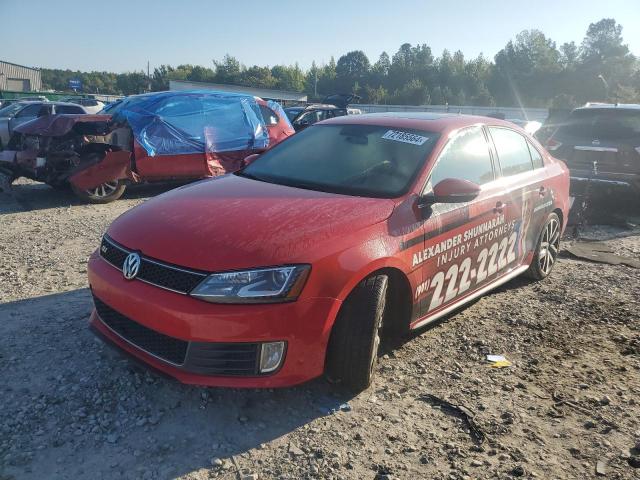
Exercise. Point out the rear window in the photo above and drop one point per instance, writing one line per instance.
(68, 109)
(269, 116)
(513, 151)
(602, 124)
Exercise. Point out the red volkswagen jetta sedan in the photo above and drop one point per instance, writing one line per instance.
(295, 266)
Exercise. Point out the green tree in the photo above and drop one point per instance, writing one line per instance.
(228, 70)
(606, 65)
(352, 68)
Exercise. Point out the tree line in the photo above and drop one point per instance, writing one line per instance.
(531, 70)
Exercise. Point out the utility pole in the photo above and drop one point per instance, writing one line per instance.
(315, 84)
(148, 77)
(606, 87)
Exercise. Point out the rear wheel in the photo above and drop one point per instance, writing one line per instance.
(103, 193)
(5, 181)
(546, 249)
(355, 338)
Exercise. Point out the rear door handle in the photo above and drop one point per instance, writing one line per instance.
(499, 207)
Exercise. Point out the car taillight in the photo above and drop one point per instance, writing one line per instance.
(553, 145)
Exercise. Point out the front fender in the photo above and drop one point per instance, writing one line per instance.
(114, 166)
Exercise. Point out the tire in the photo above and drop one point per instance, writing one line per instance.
(352, 352)
(547, 249)
(104, 193)
(5, 182)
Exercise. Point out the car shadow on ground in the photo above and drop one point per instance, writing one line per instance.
(39, 196)
(89, 406)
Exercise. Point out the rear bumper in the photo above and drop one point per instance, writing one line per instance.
(204, 328)
(606, 179)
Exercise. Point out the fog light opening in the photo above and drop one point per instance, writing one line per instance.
(271, 355)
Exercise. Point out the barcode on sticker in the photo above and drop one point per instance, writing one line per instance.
(404, 137)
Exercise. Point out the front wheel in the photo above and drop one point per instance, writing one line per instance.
(546, 249)
(104, 193)
(352, 352)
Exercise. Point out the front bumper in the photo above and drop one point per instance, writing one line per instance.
(200, 330)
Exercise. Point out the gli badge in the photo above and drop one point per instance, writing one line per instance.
(131, 266)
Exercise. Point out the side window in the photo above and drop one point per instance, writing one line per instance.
(513, 151)
(30, 111)
(466, 156)
(68, 109)
(535, 156)
(270, 117)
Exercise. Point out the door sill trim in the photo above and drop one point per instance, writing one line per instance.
(500, 281)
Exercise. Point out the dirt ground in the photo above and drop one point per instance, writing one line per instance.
(71, 407)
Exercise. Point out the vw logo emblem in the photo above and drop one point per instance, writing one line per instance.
(131, 266)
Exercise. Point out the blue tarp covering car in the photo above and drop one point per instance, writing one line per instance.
(171, 123)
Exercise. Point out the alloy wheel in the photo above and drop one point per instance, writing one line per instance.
(549, 245)
(103, 190)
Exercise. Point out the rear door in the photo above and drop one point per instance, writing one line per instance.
(466, 244)
(529, 196)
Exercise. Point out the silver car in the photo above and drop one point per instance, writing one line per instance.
(20, 112)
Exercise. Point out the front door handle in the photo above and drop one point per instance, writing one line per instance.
(499, 207)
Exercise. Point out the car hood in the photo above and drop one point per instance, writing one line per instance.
(232, 222)
(59, 125)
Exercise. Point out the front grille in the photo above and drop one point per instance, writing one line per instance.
(162, 346)
(223, 358)
(153, 271)
(214, 359)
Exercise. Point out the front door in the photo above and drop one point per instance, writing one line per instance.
(467, 245)
(29, 113)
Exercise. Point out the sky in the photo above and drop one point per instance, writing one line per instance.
(123, 35)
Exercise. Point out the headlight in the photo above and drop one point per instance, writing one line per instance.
(265, 285)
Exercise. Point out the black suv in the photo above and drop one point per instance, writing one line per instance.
(600, 143)
(331, 106)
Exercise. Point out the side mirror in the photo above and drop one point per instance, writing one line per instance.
(250, 159)
(454, 190)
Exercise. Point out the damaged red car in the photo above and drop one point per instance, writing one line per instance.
(298, 264)
(157, 137)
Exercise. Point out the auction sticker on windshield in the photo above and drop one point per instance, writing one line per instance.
(404, 137)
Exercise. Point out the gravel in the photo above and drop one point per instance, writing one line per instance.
(74, 408)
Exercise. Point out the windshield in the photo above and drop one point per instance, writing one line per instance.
(361, 160)
(293, 113)
(10, 110)
(603, 124)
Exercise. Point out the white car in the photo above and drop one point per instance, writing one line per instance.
(91, 105)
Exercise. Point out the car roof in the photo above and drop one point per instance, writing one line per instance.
(427, 121)
(49, 103)
(322, 106)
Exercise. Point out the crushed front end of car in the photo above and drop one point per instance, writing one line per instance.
(56, 149)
